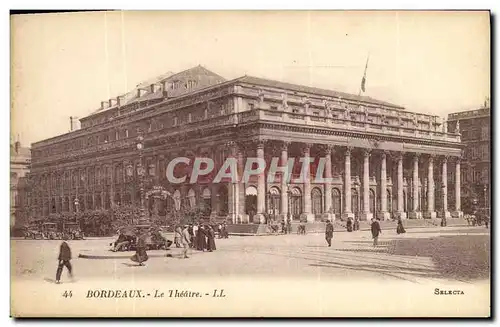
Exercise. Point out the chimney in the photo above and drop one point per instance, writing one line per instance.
(104, 104)
(112, 102)
(71, 123)
(140, 92)
(17, 145)
(118, 101)
(164, 89)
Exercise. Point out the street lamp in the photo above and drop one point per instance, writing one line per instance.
(77, 204)
(485, 189)
(140, 171)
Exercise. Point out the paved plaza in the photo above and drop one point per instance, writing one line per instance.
(424, 254)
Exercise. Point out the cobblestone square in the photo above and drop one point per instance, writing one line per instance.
(454, 254)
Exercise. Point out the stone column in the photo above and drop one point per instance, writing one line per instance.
(383, 214)
(307, 214)
(233, 200)
(261, 189)
(430, 213)
(366, 214)
(444, 186)
(400, 211)
(112, 185)
(328, 184)
(347, 185)
(416, 212)
(457, 213)
(241, 188)
(284, 182)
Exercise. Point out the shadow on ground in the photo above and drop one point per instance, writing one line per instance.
(454, 256)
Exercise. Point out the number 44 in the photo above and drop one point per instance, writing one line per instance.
(67, 294)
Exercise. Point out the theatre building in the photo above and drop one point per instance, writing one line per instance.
(380, 159)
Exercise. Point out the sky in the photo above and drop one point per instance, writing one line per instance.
(64, 65)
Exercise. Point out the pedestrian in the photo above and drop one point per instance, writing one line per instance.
(200, 238)
(210, 238)
(349, 224)
(289, 226)
(140, 255)
(64, 260)
(376, 231)
(329, 232)
(225, 233)
(443, 222)
(400, 229)
(177, 236)
(195, 236)
(356, 224)
(283, 226)
(185, 240)
(191, 235)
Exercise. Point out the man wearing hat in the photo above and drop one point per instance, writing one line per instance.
(64, 260)
(329, 232)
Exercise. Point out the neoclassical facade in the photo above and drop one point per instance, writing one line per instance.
(379, 159)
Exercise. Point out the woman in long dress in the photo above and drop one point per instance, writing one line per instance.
(400, 229)
(140, 255)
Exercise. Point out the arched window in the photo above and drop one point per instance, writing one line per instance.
(192, 198)
(66, 204)
(317, 201)
(354, 201)
(372, 201)
(98, 201)
(389, 201)
(295, 203)
(250, 201)
(222, 200)
(274, 201)
(53, 206)
(207, 201)
(336, 201)
(177, 200)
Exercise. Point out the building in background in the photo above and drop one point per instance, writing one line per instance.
(381, 160)
(475, 129)
(20, 162)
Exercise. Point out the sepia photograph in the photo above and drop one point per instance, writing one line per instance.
(250, 164)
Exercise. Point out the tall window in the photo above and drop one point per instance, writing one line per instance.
(336, 202)
(274, 201)
(317, 201)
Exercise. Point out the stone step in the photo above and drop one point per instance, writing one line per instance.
(338, 225)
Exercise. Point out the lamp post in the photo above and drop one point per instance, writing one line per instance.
(485, 189)
(140, 171)
(77, 204)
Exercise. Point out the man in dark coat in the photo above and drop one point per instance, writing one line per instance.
(191, 235)
(349, 224)
(225, 233)
(64, 260)
(200, 238)
(329, 233)
(140, 255)
(376, 230)
(356, 224)
(210, 238)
